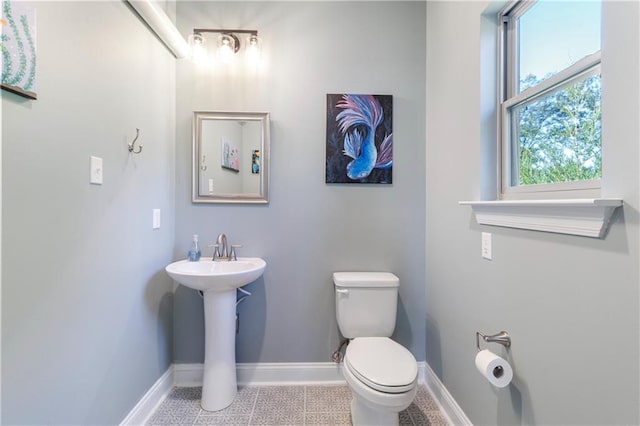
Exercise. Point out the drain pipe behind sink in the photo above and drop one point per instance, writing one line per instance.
(240, 300)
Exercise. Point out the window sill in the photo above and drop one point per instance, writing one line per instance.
(583, 217)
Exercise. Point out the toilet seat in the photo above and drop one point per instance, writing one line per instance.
(382, 364)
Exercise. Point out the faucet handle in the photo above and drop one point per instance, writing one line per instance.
(232, 255)
(216, 252)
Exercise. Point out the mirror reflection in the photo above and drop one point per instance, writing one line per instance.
(230, 157)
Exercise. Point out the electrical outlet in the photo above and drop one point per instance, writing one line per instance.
(486, 246)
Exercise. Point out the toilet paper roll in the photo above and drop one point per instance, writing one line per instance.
(495, 369)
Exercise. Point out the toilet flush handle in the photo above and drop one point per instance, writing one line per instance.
(342, 291)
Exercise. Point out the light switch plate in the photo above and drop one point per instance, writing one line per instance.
(486, 246)
(96, 171)
(156, 218)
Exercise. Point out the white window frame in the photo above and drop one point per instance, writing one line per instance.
(572, 208)
(508, 98)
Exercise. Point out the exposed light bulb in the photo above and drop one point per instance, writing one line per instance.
(252, 54)
(198, 49)
(227, 49)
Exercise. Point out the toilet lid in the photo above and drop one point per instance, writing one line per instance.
(382, 364)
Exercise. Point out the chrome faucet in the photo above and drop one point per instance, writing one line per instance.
(220, 250)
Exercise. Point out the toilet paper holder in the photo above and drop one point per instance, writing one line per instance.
(502, 338)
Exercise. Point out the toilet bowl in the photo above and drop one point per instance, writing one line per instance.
(381, 373)
(382, 376)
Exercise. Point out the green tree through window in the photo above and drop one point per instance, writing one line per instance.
(550, 98)
(559, 135)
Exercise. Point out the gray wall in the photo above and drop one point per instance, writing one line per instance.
(87, 308)
(570, 303)
(86, 305)
(309, 229)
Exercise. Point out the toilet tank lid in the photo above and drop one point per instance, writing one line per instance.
(365, 279)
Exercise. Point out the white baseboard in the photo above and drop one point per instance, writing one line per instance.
(447, 404)
(275, 373)
(150, 400)
(267, 373)
(187, 375)
(290, 373)
(421, 372)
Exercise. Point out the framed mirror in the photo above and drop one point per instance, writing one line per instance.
(230, 157)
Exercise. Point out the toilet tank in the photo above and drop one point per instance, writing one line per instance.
(366, 303)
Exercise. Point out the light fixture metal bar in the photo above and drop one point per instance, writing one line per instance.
(227, 33)
(208, 30)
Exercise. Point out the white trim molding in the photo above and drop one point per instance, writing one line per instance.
(151, 400)
(445, 401)
(277, 373)
(188, 375)
(156, 18)
(583, 217)
(267, 373)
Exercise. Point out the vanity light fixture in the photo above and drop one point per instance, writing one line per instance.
(228, 44)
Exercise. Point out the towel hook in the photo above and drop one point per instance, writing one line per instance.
(502, 338)
(132, 144)
(203, 165)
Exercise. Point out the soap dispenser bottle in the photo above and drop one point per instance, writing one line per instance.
(194, 251)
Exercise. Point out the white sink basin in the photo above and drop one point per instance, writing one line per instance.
(219, 281)
(216, 276)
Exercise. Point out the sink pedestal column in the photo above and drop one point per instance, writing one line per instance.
(219, 385)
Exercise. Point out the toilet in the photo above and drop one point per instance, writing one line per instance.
(381, 373)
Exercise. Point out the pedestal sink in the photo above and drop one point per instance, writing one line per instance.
(219, 282)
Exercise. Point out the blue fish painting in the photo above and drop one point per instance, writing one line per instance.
(359, 139)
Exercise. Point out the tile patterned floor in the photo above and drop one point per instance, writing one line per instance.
(284, 405)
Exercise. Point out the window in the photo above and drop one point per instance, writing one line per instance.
(550, 99)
